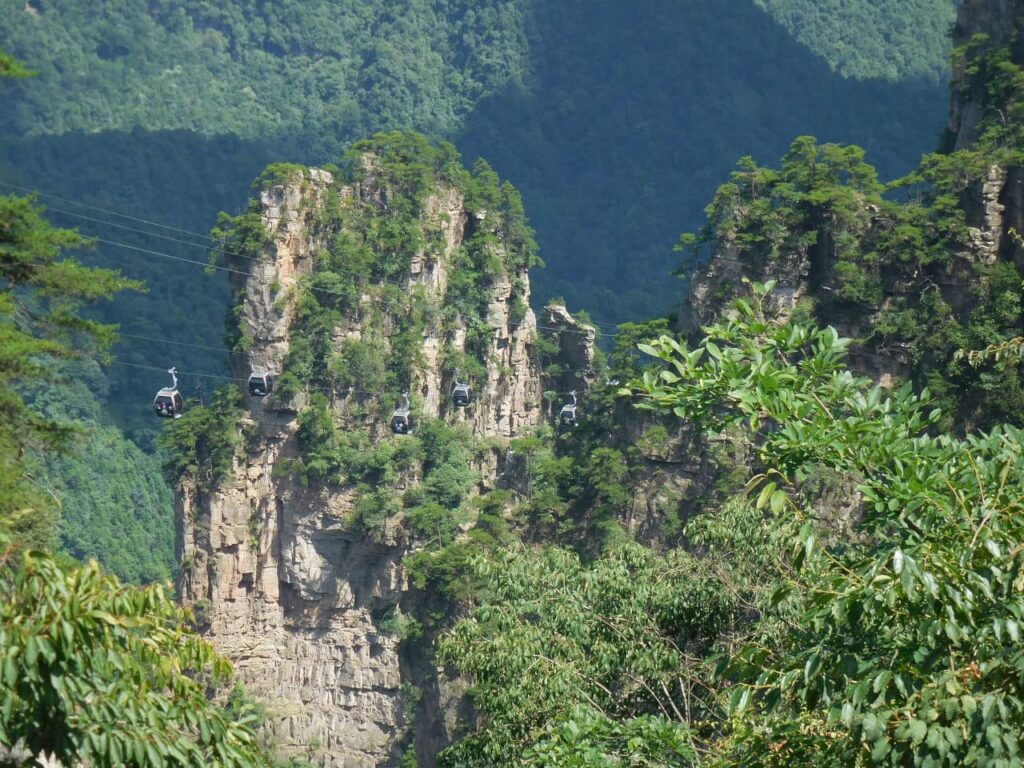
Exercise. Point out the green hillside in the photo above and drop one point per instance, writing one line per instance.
(114, 503)
(886, 40)
(328, 69)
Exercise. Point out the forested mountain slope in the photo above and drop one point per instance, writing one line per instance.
(891, 41)
(324, 69)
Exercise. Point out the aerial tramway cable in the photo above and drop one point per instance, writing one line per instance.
(208, 265)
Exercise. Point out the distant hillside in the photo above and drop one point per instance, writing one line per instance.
(864, 39)
(327, 69)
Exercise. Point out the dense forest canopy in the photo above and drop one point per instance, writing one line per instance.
(253, 69)
(888, 41)
(256, 69)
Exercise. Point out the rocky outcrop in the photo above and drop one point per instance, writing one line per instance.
(1001, 22)
(577, 344)
(282, 582)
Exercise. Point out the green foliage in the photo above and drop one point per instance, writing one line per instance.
(887, 40)
(895, 258)
(243, 68)
(564, 656)
(437, 451)
(114, 504)
(590, 740)
(105, 674)
(359, 364)
(768, 214)
(993, 78)
(11, 67)
(41, 321)
(897, 643)
(242, 84)
(202, 443)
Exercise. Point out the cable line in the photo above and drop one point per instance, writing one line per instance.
(62, 212)
(598, 326)
(204, 264)
(312, 288)
(207, 248)
(102, 210)
(207, 265)
(170, 341)
(345, 391)
(180, 373)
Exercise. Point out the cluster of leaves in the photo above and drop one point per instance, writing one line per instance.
(901, 642)
(100, 673)
(566, 657)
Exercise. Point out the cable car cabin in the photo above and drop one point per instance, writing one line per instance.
(401, 419)
(567, 416)
(462, 395)
(260, 384)
(168, 404)
(402, 422)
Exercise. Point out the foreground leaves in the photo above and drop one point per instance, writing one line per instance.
(901, 645)
(97, 672)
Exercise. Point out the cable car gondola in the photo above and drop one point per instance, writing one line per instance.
(261, 383)
(462, 395)
(401, 418)
(168, 403)
(567, 417)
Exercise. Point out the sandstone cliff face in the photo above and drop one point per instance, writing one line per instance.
(287, 588)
